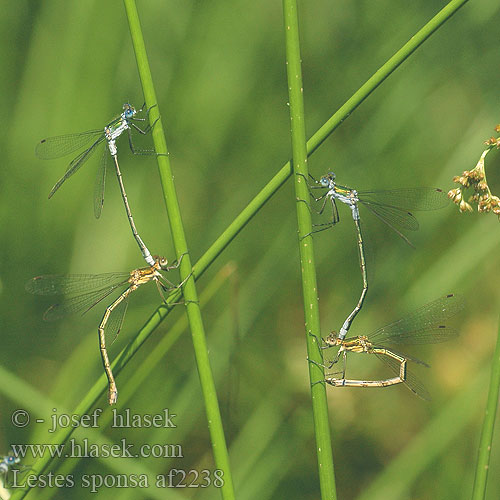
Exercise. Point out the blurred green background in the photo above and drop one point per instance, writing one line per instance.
(219, 72)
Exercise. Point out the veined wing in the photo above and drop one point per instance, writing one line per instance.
(423, 326)
(396, 218)
(411, 358)
(62, 145)
(115, 321)
(79, 303)
(394, 206)
(74, 284)
(100, 185)
(407, 199)
(76, 163)
(411, 381)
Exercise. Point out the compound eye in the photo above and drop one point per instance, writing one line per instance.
(11, 460)
(163, 262)
(332, 338)
(324, 181)
(331, 175)
(129, 110)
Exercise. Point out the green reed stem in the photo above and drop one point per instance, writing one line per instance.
(100, 386)
(306, 250)
(485, 442)
(221, 456)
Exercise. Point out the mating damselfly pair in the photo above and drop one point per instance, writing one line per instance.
(394, 208)
(84, 291)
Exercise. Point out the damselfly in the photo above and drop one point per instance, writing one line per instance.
(423, 326)
(393, 207)
(7, 462)
(84, 291)
(56, 147)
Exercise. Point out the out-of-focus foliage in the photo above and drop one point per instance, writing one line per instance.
(218, 67)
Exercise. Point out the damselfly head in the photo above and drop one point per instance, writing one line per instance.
(11, 460)
(129, 110)
(161, 261)
(332, 339)
(327, 180)
(8, 461)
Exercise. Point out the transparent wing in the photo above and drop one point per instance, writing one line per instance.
(76, 163)
(79, 303)
(396, 218)
(62, 145)
(115, 321)
(332, 208)
(100, 185)
(74, 284)
(394, 206)
(415, 360)
(412, 382)
(422, 198)
(423, 326)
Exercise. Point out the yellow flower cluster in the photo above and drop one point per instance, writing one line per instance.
(476, 179)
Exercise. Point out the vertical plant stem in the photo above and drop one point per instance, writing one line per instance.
(216, 430)
(306, 249)
(483, 459)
